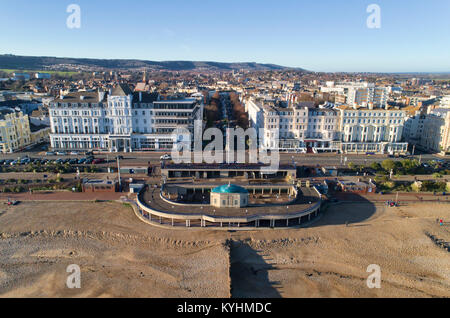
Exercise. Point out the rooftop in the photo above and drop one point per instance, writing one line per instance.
(121, 90)
(229, 188)
(80, 97)
(6, 111)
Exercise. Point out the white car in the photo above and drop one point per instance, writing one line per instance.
(166, 157)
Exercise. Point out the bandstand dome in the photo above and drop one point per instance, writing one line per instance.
(229, 188)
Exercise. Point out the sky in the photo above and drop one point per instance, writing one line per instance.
(318, 35)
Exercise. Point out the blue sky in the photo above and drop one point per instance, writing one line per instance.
(319, 35)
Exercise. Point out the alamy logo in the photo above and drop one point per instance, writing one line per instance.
(74, 279)
(374, 279)
(74, 19)
(374, 19)
(236, 142)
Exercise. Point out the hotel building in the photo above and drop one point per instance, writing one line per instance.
(298, 127)
(121, 121)
(366, 130)
(433, 133)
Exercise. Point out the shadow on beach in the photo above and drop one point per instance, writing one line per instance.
(351, 212)
(249, 272)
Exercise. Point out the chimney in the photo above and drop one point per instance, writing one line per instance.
(101, 95)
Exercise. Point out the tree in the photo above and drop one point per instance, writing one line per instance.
(409, 166)
(388, 165)
(375, 166)
(212, 113)
(239, 112)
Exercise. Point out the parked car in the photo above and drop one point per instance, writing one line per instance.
(74, 153)
(8, 161)
(50, 153)
(82, 161)
(98, 161)
(24, 161)
(2, 161)
(88, 161)
(14, 162)
(166, 157)
(73, 161)
(61, 153)
(89, 153)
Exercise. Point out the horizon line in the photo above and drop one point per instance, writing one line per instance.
(235, 62)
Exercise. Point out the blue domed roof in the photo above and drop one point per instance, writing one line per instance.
(229, 188)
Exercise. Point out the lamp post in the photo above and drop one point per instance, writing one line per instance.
(118, 171)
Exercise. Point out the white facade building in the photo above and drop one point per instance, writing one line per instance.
(436, 131)
(366, 130)
(445, 101)
(120, 121)
(295, 128)
(413, 128)
(371, 96)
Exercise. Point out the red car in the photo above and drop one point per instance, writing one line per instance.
(98, 161)
(12, 202)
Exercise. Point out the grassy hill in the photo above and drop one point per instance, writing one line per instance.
(14, 62)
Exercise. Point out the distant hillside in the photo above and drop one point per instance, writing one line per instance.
(9, 61)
